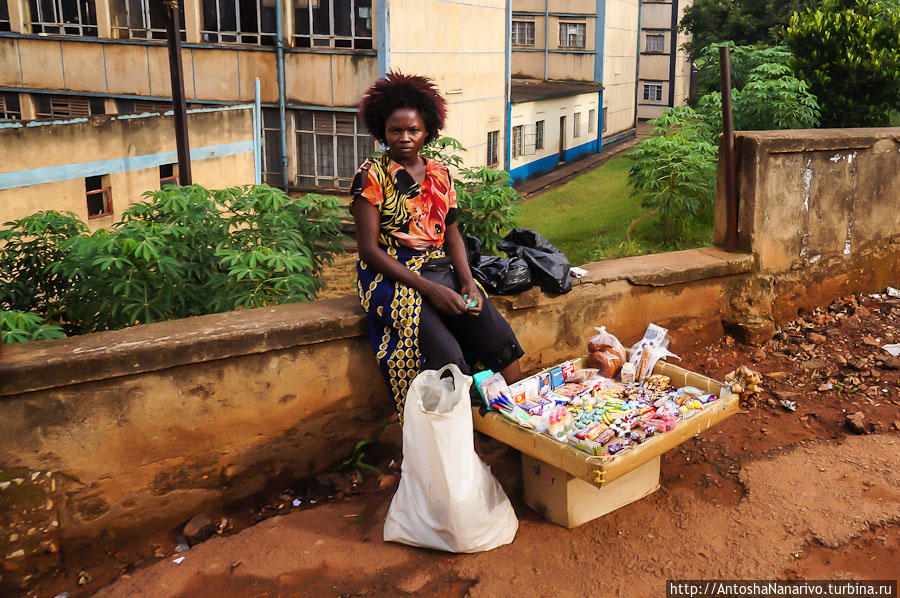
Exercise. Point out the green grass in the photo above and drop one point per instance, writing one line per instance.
(589, 218)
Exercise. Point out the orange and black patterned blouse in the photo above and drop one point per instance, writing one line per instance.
(413, 215)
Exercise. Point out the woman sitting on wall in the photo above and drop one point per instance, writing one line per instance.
(413, 278)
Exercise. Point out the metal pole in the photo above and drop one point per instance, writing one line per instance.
(731, 201)
(173, 37)
(279, 63)
(257, 127)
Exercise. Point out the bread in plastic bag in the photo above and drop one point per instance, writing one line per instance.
(605, 353)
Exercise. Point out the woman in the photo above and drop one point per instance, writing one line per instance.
(413, 278)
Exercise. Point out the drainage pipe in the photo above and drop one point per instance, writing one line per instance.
(282, 119)
(257, 129)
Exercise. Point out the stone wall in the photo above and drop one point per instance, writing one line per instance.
(115, 431)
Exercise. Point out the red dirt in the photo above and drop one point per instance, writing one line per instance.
(767, 494)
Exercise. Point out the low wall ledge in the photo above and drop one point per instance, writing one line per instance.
(805, 140)
(51, 364)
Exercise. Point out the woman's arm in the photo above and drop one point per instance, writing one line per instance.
(366, 219)
(456, 249)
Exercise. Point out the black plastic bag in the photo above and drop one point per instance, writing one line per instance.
(473, 250)
(503, 275)
(549, 268)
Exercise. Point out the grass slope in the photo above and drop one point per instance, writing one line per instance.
(589, 217)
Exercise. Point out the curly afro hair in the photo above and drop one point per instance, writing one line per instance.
(397, 90)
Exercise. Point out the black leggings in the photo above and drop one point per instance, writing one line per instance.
(466, 340)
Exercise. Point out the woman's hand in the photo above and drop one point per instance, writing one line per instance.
(471, 290)
(444, 299)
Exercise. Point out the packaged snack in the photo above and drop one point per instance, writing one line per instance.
(556, 377)
(627, 372)
(582, 375)
(650, 349)
(544, 383)
(517, 392)
(568, 368)
(531, 389)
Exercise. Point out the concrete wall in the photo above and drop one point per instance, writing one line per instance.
(526, 114)
(456, 42)
(129, 150)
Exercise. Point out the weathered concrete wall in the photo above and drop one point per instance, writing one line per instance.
(119, 430)
(819, 211)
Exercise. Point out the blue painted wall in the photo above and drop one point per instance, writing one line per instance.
(549, 163)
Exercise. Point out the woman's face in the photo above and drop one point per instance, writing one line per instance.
(405, 133)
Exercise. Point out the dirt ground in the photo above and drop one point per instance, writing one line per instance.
(768, 494)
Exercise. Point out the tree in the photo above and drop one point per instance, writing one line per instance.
(848, 51)
(744, 22)
(675, 169)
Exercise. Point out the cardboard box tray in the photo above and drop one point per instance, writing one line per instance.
(604, 469)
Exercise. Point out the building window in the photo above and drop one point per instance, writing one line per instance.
(140, 19)
(9, 107)
(656, 42)
(142, 106)
(4, 17)
(576, 125)
(523, 33)
(592, 114)
(539, 135)
(61, 106)
(99, 203)
(330, 147)
(492, 143)
(271, 150)
(333, 24)
(603, 118)
(168, 175)
(518, 141)
(653, 92)
(239, 21)
(571, 35)
(62, 17)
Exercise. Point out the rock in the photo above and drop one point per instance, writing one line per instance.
(387, 481)
(840, 359)
(833, 333)
(816, 338)
(759, 355)
(856, 423)
(712, 362)
(868, 340)
(198, 529)
(891, 363)
(826, 386)
(785, 395)
(897, 425)
(856, 364)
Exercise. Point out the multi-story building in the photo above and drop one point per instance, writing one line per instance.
(665, 70)
(574, 70)
(69, 58)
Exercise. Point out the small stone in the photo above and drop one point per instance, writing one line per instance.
(712, 362)
(759, 355)
(826, 386)
(387, 481)
(868, 340)
(840, 359)
(856, 423)
(198, 529)
(897, 425)
(856, 364)
(816, 338)
(891, 363)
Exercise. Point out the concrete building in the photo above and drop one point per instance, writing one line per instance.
(574, 71)
(77, 59)
(665, 70)
(96, 166)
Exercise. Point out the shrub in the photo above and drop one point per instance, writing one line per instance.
(23, 326)
(848, 51)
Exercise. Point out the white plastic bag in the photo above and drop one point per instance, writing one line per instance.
(447, 498)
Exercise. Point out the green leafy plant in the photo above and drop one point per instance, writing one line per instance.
(23, 326)
(183, 251)
(848, 51)
(674, 170)
(488, 203)
(355, 463)
(27, 247)
(746, 22)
